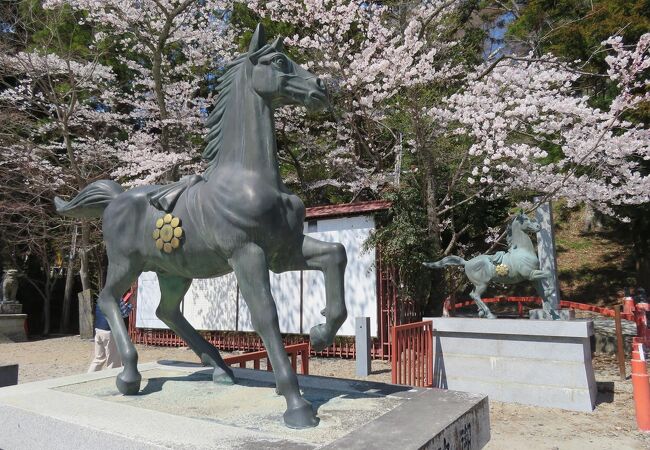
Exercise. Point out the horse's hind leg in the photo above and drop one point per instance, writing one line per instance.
(252, 271)
(330, 258)
(172, 290)
(484, 311)
(118, 280)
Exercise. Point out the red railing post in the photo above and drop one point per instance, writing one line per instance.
(393, 356)
(412, 354)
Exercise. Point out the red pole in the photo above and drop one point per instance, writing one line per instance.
(641, 387)
(620, 354)
(393, 356)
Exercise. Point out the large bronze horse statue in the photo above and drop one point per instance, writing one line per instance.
(237, 217)
(518, 264)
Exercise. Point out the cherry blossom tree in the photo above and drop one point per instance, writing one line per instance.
(531, 132)
(369, 54)
(61, 108)
(166, 50)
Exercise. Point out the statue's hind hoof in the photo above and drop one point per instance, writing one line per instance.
(301, 417)
(222, 377)
(319, 337)
(128, 385)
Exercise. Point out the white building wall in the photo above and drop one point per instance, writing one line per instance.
(213, 304)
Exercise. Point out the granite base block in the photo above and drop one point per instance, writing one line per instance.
(180, 407)
(12, 326)
(533, 362)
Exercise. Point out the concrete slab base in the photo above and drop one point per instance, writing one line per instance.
(180, 407)
(533, 362)
(540, 314)
(12, 326)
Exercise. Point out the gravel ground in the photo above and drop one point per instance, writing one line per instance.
(611, 426)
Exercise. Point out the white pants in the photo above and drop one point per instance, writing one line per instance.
(105, 352)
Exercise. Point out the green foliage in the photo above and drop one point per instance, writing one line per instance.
(575, 29)
(404, 242)
(56, 31)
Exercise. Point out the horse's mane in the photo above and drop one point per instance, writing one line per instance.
(509, 229)
(215, 122)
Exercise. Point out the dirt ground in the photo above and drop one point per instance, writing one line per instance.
(611, 426)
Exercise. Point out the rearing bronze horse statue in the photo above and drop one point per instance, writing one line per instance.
(238, 217)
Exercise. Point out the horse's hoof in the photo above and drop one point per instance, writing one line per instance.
(220, 376)
(128, 384)
(491, 316)
(319, 337)
(301, 417)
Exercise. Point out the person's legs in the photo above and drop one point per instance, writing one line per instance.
(100, 352)
(112, 354)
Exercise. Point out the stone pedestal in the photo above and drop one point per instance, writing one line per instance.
(180, 407)
(11, 308)
(12, 327)
(534, 362)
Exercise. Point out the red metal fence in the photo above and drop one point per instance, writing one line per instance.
(521, 301)
(412, 354)
(293, 351)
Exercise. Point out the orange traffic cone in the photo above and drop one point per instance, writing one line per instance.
(641, 386)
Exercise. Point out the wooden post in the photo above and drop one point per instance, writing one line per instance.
(86, 314)
(620, 352)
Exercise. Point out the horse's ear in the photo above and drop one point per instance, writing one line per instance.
(278, 44)
(258, 41)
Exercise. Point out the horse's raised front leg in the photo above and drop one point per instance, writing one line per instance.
(484, 311)
(252, 272)
(172, 291)
(331, 259)
(119, 278)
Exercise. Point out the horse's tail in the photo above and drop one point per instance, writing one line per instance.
(448, 261)
(91, 201)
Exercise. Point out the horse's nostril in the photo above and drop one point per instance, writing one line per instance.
(320, 83)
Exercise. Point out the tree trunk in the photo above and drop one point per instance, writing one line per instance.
(591, 222)
(83, 256)
(433, 220)
(69, 284)
(641, 238)
(67, 297)
(47, 301)
(47, 308)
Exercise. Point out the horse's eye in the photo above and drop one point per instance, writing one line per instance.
(280, 62)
